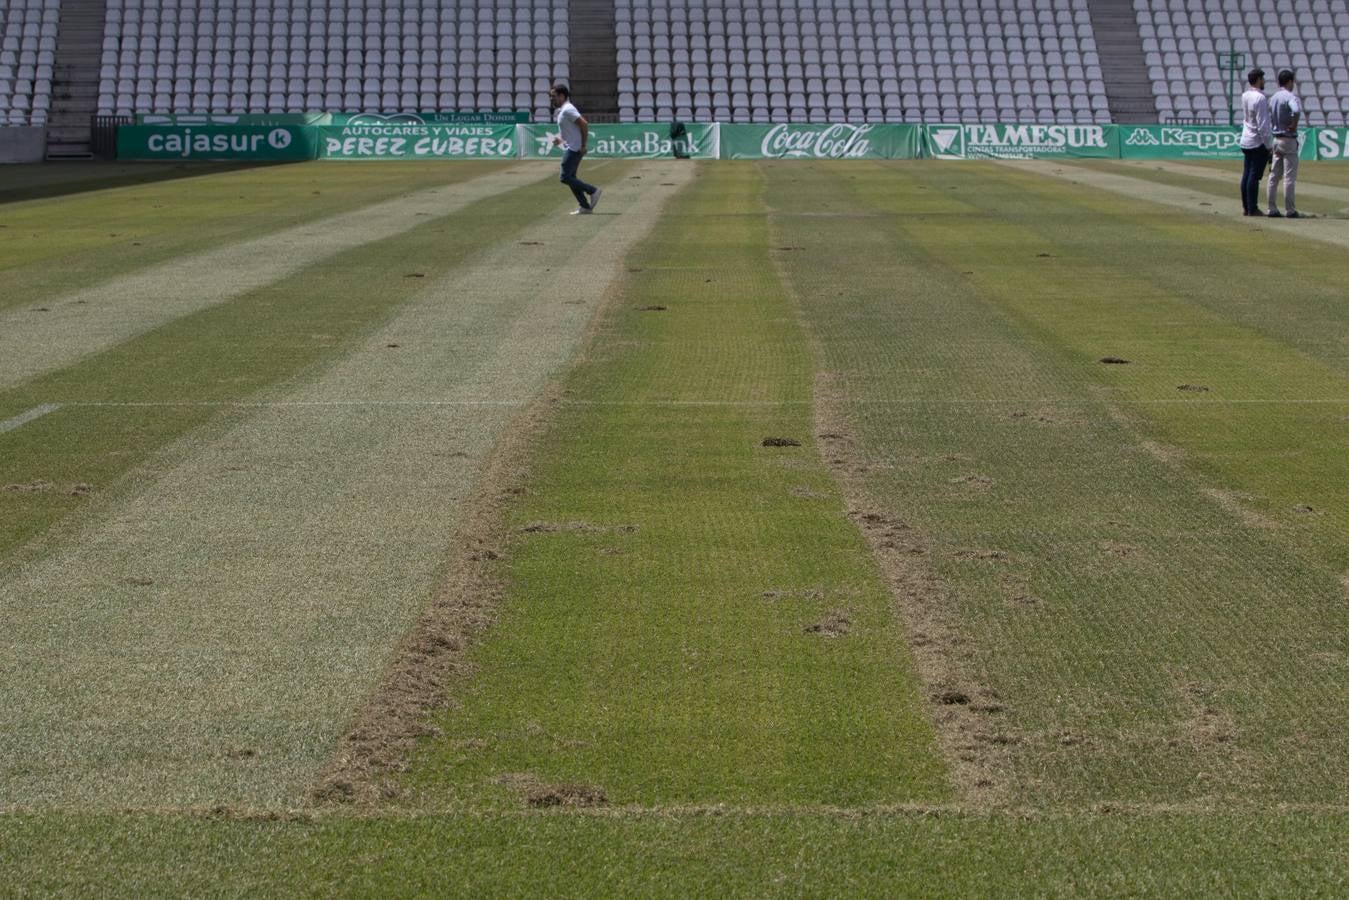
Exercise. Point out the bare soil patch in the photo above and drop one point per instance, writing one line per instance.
(1207, 725)
(582, 527)
(548, 795)
(1235, 503)
(981, 555)
(798, 594)
(30, 487)
(543, 795)
(836, 623)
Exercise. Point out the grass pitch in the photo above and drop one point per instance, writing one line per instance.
(895, 528)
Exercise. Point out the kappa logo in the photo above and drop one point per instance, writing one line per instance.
(1142, 137)
(279, 138)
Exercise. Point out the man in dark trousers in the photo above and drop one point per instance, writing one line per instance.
(1257, 136)
(573, 135)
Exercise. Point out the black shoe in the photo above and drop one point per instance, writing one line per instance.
(1293, 215)
(1275, 214)
(1256, 212)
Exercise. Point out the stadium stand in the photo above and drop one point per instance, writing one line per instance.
(726, 60)
(27, 57)
(251, 56)
(1183, 40)
(858, 60)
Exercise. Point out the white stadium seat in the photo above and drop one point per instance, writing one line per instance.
(389, 54)
(739, 60)
(1182, 40)
(824, 51)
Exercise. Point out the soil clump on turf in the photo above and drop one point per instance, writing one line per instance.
(31, 487)
(836, 623)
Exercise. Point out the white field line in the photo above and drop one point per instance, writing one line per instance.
(1330, 231)
(98, 317)
(207, 633)
(24, 418)
(755, 404)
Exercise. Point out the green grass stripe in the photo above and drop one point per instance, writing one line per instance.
(1287, 456)
(227, 352)
(732, 854)
(241, 597)
(1148, 643)
(1201, 201)
(36, 181)
(1311, 180)
(1288, 290)
(52, 247)
(657, 639)
(1330, 173)
(1312, 197)
(41, 339)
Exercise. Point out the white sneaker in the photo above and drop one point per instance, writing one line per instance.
(578, 211)
(595, 198)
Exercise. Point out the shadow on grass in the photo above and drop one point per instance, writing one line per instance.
(38, 181)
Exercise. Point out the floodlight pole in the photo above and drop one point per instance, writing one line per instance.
(1234, 65)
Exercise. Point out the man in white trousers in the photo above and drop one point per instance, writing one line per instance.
(1285, 111)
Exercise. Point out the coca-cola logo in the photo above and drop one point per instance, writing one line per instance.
(822, 142)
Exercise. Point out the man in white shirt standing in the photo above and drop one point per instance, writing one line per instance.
(573, 134)
(1257, 136)
(1285, 109)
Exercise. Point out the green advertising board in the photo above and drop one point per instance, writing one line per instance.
(820, 141)
(233, 119)
(1329, 143)
(1192, 142)
(999, 141)
(402, 140)
(699, 141)
(217, 142)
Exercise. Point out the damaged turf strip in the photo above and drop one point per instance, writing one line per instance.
(1144, 641)
(704, 624)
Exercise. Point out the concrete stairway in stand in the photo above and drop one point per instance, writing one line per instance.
(594, 59)
(1128, 85)
(79, 46)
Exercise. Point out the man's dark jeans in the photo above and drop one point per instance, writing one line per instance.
(1257, 161)
(571, 161)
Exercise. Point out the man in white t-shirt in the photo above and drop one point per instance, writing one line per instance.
(1285, 111)
(573, 134)
(1257, 136)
